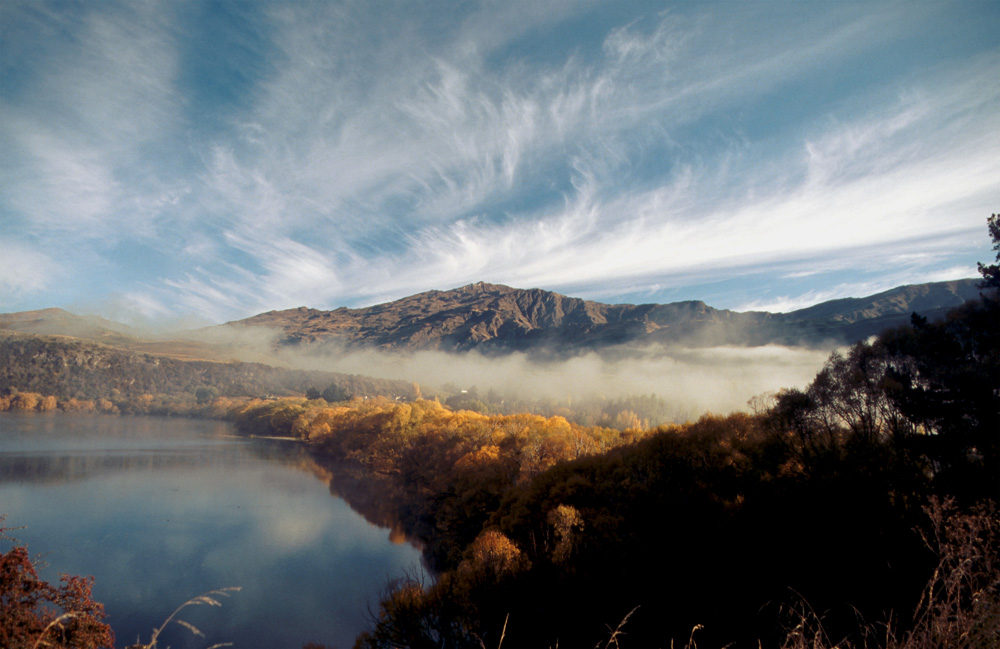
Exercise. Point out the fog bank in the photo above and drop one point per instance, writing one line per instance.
(691, 380)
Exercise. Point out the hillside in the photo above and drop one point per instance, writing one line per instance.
(75, 368)
(857, 318)
(61, 322)
(499, 319)
(181, 345)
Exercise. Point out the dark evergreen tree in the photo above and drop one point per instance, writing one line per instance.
(991, 272)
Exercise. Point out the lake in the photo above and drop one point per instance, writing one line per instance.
(160, 510)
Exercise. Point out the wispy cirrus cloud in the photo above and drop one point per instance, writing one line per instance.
(335, 153)
(820, 205)
(95, 89)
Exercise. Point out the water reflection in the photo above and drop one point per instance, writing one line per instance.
(56, 448)
(159, 510)
(377, 498)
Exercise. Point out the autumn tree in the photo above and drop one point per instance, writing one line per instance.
(25, 401)
(34, 613)
(567, 524)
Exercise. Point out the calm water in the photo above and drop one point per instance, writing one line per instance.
(160, 510)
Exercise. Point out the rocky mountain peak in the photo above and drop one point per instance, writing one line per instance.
(495, 318)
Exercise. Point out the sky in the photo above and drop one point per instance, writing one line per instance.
(193, 161)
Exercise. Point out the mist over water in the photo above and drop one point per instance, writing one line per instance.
(691, 380)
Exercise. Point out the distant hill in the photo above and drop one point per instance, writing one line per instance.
(53, 351)
(68, 367)
(59, 322)
(63, 323)
(499, 319)
(858, 318)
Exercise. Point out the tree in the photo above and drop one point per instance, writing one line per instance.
(947, 378)
(567, 525)
(991, 273)
(335, 392)
(34, 613)
(206, 394)
(853, 391)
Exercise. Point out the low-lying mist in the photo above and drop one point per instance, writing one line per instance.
(692, 381)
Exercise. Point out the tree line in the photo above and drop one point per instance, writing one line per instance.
(620, 412)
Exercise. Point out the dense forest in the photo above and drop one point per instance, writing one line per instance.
(857, 512)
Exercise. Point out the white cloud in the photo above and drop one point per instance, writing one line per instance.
(215, 296)
(244, 195)
(72, 190)
(293, 272)
(116, 84)
(24, 271)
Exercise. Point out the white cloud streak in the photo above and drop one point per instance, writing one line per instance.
(381, 150)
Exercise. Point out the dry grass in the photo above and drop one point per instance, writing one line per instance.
(56, 624)
(959, 608)
(960, 605)
(209, 599)
(617, 632)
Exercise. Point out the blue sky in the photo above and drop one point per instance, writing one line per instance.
(205, 161)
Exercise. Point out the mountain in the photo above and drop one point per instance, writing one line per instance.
(497, 319)
(493, 318)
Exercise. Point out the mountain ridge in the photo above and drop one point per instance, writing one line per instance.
(495, 318)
